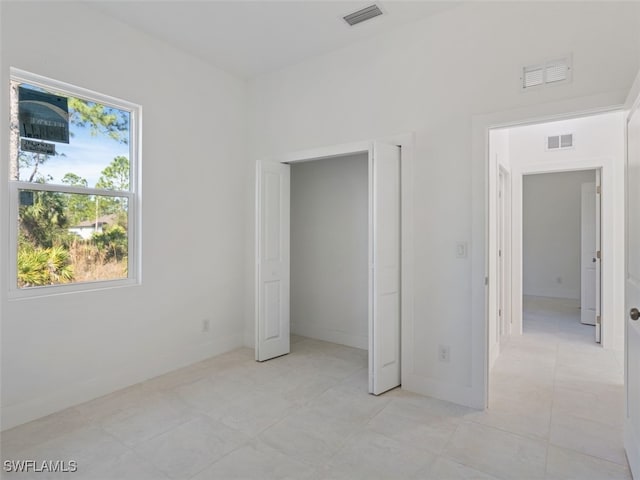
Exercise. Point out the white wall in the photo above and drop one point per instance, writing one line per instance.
(433, 77)
(53, 354)
(329, 249)
(599, 143)
(551, 233)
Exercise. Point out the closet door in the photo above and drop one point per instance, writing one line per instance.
(272, 260)
(384, 312)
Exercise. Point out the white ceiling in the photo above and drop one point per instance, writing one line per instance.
(252, 37)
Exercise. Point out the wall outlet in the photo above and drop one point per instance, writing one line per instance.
(205, 325)
(444, 353)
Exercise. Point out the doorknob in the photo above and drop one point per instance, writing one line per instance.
(593, 260)
(634, 313)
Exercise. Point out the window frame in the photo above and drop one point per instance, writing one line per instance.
(132, 195)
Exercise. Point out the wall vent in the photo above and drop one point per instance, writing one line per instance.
(558, 142)
(547, 73)
(363, 15)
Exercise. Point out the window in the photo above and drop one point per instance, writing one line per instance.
(73, 165)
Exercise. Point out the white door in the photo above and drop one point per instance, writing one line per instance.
(598, 256)
(588, 257)
(632, 351)
(384, 314)
(272, 258)
(501, 273)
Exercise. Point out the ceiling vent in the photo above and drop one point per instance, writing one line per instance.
(547, 73)
(363, 15)
(558, 142)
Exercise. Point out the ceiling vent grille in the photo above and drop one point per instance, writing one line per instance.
(363, 15)
(548, 73)
(558, 142)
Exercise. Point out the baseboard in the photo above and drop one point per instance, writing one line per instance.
(333, 336)
(461, 395)
(569, 295)
(121, 376)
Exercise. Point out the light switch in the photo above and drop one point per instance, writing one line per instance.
(461, 250)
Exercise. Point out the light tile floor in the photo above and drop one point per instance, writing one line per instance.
(555, 413)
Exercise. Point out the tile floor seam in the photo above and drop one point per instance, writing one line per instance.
(473, 467)
(158, 434)
(625, 464)
(213, 462)
(506, 430)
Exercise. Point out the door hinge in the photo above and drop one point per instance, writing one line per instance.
(500, 312)
(499, 253)
(598, 189)
(598, 320)
(598, 254)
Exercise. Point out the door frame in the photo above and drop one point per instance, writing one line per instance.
(406, 142)
(517, 253)
(482, 186)
(505, 328)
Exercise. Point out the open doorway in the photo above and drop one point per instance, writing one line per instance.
(329, 250)
(561, 253)
(591, 143)
(320, 294)
(548, 376)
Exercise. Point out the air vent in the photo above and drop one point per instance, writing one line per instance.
(558, 142)
(551, 72)
(363, 15)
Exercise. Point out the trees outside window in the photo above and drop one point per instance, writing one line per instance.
(73, 204)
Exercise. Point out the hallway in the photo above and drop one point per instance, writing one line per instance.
(556, 383)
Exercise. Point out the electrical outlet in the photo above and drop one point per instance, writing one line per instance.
(444, 353)
(205, 325)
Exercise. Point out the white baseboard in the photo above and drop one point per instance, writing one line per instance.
(459, 394)
(333, 336)
(119, 377)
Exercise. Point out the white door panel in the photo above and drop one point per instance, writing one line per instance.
(272, 228)
(632, 250)
(384, 331)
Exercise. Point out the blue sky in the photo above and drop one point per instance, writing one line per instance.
(85, 155)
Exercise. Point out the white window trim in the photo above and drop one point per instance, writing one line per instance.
(133, 196)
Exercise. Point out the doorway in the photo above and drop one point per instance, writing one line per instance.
(561, 248)
(549, 365)
(384, 240)
(591, 143)
(329, 250)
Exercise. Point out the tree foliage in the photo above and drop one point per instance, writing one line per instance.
(44, 223)
(115, 176)
(45, 244)
(79, 207)
(112, 241)
(99, 119)
(43, 266)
